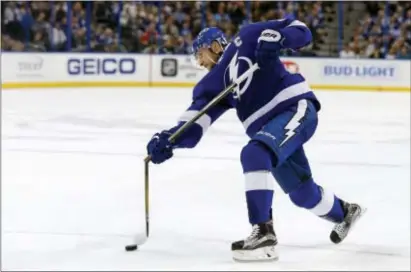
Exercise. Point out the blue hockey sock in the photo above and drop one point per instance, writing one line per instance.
(259, 182)
(318, 200)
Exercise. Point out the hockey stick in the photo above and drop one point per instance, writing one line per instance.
(174, 136)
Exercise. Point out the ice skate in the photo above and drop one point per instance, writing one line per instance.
(353, 212)
(259, 246)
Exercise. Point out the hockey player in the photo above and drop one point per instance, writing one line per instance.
(279, 113)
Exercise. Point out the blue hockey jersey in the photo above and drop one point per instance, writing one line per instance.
(262, 95)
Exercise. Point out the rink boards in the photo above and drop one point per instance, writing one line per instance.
(73, 70)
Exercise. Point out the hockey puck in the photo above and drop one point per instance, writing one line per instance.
(131, 247)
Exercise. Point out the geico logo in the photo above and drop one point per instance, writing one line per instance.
(101, 66)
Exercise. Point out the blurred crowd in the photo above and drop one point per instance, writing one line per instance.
(384, 32)
(165, 27)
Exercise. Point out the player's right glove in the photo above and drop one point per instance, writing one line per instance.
(159, 147)
(268, 48)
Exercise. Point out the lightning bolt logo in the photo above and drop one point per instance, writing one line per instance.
(295, 121)
(233, 73)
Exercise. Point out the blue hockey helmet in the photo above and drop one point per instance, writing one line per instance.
(206, 37)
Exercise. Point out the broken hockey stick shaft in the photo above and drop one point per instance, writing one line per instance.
(183, 128)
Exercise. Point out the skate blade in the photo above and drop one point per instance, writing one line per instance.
(363, 211)
(263, 254)
(361, 214)
(339, 241)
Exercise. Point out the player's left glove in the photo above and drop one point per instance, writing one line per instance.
(268, 48)
(159, 148)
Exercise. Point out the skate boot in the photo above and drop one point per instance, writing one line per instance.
(259, 246)
(352, 213)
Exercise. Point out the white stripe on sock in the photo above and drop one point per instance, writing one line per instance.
(325, 205)
(259, 180)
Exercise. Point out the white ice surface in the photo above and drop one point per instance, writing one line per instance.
(72, 184)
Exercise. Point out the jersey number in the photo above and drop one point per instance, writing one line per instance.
(238, 41)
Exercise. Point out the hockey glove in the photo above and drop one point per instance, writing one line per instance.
(159, 148)
(268, 48)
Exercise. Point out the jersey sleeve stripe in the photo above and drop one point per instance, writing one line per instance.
(204, 121)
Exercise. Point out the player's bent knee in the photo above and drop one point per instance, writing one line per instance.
(255, 156)
(307, 195)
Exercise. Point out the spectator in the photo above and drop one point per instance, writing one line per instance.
(169, 46)
(386, 30)
(289, 11)
(392, 53)
(370, 47)
(347, 52)
(237, 13)
(41, 25)
(150, 36)
(404, 53)
(168, 27)
(221, 15)
(179, 14)
(57, 36)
